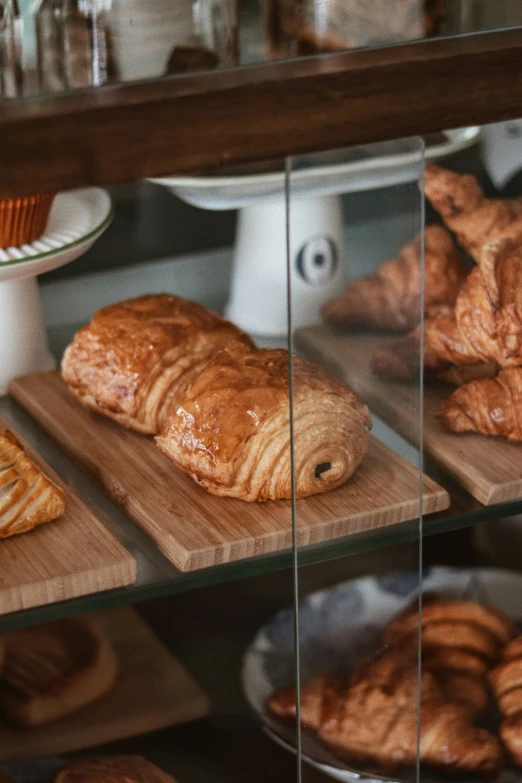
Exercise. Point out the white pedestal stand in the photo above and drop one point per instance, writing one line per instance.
(77, 219)
(258, 299)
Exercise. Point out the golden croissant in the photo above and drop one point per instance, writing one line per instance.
(372, 717)
(230, 431)
(492, 406)
(483, 331)
(506, 683)
(474, 219)
(391, 298)
(27, 497)
(135, 358)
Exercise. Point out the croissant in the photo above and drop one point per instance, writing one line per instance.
(492, 406)
(135, 358)
(494, 622)
(391, 299)
(474, 219)
(371, 719)
(506, 683)
(27, 497)
(230, 432)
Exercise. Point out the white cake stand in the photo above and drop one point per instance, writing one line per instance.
(258, 295)
(77, 219)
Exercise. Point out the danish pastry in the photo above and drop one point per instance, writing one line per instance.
(27, 497)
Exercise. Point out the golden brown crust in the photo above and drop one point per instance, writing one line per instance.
(491, 406)
(54, 669)
(474, 219)
(28, 498)
(391, 298)
(511, 735)
(373, 718)
(134, 358)
(111, 769)
(231, 430)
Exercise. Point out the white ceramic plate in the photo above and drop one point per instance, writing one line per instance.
(340, 627)
(77, 219)
(374, 166)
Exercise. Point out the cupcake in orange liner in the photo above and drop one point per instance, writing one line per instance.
(22, 220)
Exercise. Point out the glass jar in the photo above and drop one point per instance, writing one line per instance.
(11, 74)
(83, 43)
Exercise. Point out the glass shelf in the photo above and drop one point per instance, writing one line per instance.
(157, 577)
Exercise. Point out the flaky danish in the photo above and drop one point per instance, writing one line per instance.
(230, 431)
(474, 219)
(54, 669)
(391, 298)
(27, 497)
(492, 406)
(135, 358)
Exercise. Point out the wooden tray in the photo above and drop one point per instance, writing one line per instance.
(489, 468)
(72, 556)
(195, 529)
(153, 691)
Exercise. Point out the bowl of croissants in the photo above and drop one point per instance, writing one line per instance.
(362, 690)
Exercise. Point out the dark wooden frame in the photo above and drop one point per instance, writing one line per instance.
(195, 123)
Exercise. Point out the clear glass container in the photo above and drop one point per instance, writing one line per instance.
(11, 75)
(84, 43)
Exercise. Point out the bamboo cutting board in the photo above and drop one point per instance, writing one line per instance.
(489, 468)
(74, 555)
(153, 690)
(195, 529)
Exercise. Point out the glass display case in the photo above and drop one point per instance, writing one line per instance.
(260, 402)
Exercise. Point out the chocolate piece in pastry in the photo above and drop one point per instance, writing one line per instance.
(135, 358)
(492, 406)
(53, 670)
(371, 720)
(111, 769)
(230, 432)
(391, 298)
(27, 497)
(474, 219)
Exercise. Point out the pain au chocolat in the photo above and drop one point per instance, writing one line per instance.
(54, 669)
(230, 431)
(27, 497)
(133, 360)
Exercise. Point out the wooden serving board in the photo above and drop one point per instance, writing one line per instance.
(488, 468)
(195, 529)
(153, 690)
(74, 555)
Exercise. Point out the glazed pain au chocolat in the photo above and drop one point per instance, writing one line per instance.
(219, 407)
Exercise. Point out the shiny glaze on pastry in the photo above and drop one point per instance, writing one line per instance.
(230, 432)
(391, 298)
(27, 497)
(135, 358)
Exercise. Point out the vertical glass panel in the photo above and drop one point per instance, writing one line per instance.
(357, 280)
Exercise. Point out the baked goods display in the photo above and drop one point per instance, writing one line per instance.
(237, 413)
(111, 769)
(220, 407)
(55, 669)
(23, 219)
(27, 498)
(370, 717)
(390, 300)
(136, 357)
